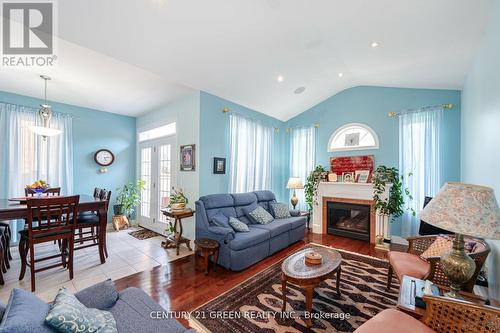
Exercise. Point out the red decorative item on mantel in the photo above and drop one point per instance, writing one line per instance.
(343, 164)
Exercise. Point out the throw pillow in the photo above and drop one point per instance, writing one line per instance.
(237, 225)
(280, 210)
(15, 318)
(100, 296)
(220, 220)
(2, 310)
(260, 215)
(440, 246)
(67, 315)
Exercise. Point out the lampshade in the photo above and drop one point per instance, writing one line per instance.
(295, 183)
(465, 209)
(45, 131)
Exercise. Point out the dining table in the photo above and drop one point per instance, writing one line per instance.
(12, 209)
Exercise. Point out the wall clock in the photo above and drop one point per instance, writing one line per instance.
(104, 157)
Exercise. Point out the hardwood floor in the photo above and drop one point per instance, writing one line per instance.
(182, 285)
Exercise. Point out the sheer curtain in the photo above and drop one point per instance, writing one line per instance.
(26, 157)
(420, 154)
(250, 155)
(302, 158)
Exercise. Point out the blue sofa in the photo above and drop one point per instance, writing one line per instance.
(239, 250)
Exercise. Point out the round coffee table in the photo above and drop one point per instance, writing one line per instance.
(294, 270)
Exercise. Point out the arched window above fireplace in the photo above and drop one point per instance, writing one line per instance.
(353, 136)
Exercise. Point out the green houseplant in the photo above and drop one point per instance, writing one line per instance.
(391, 207)
(311, 187)
(129, 197)
(177, 199)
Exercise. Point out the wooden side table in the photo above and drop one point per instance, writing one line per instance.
(406, 300)
(175, 240)
(208, 247)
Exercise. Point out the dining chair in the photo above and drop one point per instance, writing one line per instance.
(58, 216)
(51, 191)
(91, 221)
(86, 215)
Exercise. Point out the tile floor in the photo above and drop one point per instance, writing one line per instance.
(127, 255)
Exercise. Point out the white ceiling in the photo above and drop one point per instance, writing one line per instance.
(131, 56)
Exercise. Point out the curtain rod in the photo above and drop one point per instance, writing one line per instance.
(425, 108)
(35, 110)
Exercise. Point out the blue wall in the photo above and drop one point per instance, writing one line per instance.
(93, 130)
(214, 142)
(370, 105)
(481, 129)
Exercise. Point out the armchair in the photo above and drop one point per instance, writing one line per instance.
(442, 315)
(410, 263)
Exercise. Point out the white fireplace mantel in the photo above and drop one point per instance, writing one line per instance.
(354, 191)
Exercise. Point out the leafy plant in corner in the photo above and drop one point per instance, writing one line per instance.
(394, 204)
(129, 197)
(311, 186)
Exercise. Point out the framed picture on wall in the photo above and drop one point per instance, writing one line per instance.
(362, 176)
(219, 165)
(188, 154)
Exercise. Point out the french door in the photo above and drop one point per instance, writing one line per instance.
(158, 168)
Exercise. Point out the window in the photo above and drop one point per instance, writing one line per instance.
(353, 136)
(302, 157)
(157, 132)
(250, 155)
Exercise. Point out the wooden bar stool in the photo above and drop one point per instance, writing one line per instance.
(208, 247)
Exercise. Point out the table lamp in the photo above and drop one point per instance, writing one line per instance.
(294, 183)
(464, 209)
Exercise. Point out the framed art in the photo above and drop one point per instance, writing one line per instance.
(188, 153)
(348, 177)
(362, 176)
(332, 177)
(219, 165)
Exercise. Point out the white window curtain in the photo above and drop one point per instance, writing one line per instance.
(420, 154)
(302, 158)
(251, 145)
(26, 157)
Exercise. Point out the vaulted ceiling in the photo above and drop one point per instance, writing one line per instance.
(132, 56)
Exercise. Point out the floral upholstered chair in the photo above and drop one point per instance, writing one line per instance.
(422, 260)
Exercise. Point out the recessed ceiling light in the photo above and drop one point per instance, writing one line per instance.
(374, 44)
(341, 74)
(280, 78)
(299, 90)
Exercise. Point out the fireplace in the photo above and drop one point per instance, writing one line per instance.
(349, 219)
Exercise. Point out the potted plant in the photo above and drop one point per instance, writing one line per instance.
(391, 207)
(311, 187)
(129, 197)
(178, 200)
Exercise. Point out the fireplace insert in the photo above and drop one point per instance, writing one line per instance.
(348, 220)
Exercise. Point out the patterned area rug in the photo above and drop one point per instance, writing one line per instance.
(143, 234)
(255, 305)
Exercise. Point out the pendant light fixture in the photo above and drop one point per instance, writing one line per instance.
(45, 114)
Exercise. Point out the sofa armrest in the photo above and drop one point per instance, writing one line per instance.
(294, 212)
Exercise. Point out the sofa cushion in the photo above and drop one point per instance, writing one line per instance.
(295, 221)
(217, 201)
(220, 220)
(275, 228)
(237, 225)
(244, 199)
(135, 311)
(393, 321)
(16, 320)
(100, 296)
(409, 264)
(280, 210)
(260, 215)
(243, 240)
(68, 314)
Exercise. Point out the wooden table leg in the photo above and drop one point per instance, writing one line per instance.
(309, 300)
(102, 232)
(283, 292)
(216, 259)
(339, 271)
(206, 256)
